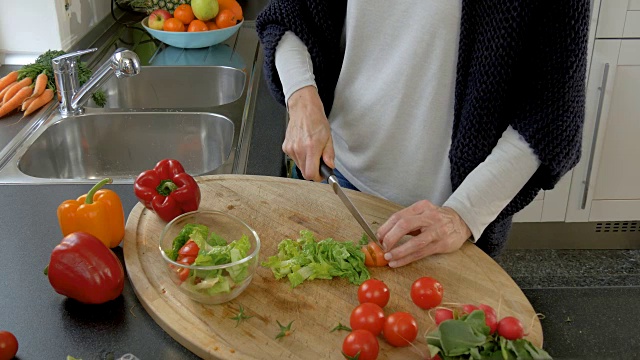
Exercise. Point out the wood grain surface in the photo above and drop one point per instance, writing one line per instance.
(278, 208)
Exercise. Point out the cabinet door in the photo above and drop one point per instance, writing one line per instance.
(617, 184)
(602, 72)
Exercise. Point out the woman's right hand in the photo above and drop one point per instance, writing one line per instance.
(308, 133)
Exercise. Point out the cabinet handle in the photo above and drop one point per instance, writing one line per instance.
(602, 89)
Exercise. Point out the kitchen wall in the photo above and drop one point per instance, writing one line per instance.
(29, 28)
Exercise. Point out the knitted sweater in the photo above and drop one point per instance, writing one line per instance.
(519, 63)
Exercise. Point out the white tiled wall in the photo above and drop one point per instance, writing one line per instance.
(30, 27)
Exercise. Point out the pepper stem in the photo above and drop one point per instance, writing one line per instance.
(96, 187)
(166, 187)
(46, 270)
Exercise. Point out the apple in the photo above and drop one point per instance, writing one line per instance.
(157, 18)
(205, 10)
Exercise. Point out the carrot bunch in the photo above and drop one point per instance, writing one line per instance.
(24, 94)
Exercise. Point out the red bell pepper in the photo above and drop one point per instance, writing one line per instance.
(84, 269)
(167, 190)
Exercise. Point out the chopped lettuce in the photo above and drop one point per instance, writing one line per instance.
(308, 259)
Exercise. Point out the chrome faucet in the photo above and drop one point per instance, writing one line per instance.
(123, 63)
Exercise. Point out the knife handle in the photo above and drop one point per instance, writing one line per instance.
(325, 170)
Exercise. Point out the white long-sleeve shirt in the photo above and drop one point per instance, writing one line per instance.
(392, 115)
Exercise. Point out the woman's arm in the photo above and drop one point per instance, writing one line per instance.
(474, 205)
(487, 190)
(294, 65)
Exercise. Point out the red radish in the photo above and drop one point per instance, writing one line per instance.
(490, 317)
(510, 328)
(442, 315)
(492, 322)
(488, 310)
(468, 308)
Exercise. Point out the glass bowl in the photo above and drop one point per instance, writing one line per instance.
(225, 267)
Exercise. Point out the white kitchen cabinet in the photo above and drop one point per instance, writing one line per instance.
(606, 183)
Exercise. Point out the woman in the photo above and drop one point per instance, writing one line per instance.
(461, 111)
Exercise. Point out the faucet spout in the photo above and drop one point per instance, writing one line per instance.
(123, 63)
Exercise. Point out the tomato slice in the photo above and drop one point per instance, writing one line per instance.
(373, 255)
(190, 248)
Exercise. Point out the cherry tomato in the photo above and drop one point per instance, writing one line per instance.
(189, 249)
(400, 329)
(183, 273)
(426, 292)
(8, 345)
(373, 291)
(367, 316)
(373, 255)
(361, 343)
(510, 328)
(443, 315)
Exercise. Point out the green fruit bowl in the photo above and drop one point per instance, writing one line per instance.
(192, 40)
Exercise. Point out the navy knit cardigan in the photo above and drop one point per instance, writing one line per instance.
(520, 63)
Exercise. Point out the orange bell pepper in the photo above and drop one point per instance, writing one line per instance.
(99, 213)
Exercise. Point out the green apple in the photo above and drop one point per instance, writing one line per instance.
(205, 10)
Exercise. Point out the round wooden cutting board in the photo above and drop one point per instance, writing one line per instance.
(278, 208)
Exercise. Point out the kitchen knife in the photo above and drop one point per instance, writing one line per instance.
(327, 173)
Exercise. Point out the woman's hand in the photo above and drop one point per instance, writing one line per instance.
(435, 230)
(308, 134)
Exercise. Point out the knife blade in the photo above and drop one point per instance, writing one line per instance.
(327, 173)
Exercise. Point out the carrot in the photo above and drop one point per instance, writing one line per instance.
(4, 91)
(27, 102)
(15, 101)
(17, 87)
(40, 84)
(40, 101)
(8, 79)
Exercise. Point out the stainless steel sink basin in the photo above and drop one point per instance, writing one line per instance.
(122, 145)
(175, 87)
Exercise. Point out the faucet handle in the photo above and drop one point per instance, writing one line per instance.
(61, 63)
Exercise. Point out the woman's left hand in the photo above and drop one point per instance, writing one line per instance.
(435, 230)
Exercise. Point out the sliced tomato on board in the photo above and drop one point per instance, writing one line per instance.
(373, 255)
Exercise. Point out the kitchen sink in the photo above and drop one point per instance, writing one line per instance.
(175, 87)
(122, 145)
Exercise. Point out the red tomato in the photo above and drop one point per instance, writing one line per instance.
(510, 328)
(8, 345)
(373, 255)
(189, 249)
(362, 342)
(400, 329)
(183, 273)
(367, 316)
(426, 292)
(373, 291)
(443, 315)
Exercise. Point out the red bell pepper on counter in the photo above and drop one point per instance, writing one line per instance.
(167, 190)
(84, 269)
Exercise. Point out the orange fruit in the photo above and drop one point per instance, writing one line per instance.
(226, 18)
(173, 24)
(232, 5)
(212, 25)
(184, 13)
(197, 25)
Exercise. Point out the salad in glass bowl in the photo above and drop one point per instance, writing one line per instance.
(211, 256)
